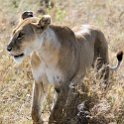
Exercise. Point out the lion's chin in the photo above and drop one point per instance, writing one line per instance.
(19, 59)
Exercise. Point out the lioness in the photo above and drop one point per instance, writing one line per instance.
(58, 55)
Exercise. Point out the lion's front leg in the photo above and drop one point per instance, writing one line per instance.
(38, 96)
(57, 112)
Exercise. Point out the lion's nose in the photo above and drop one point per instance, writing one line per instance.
(9, 48)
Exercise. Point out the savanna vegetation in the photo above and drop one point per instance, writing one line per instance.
(16, 80)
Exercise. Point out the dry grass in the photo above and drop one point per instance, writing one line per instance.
(16, 82)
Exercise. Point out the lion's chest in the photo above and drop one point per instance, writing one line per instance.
(53, 74)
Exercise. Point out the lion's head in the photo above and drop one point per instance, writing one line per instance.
(25, 38)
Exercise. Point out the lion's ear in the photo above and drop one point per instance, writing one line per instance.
(27, 14)
(45, 21)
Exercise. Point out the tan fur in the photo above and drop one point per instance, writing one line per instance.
(35, 60)
(58, 55)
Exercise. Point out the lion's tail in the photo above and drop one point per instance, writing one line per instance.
(119, 58)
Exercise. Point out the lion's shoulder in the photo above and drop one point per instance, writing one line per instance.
(63, 33)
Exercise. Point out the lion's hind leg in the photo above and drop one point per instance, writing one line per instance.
(101, 59)
(102, 71)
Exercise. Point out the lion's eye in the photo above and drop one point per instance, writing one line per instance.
(20, 35)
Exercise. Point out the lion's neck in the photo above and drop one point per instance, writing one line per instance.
(50, 46)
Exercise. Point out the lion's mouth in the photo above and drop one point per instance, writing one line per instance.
(19, 55)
